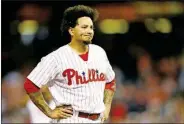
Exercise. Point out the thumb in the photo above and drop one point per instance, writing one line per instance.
(103, 119)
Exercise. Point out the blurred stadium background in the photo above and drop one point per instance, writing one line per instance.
(143, 40)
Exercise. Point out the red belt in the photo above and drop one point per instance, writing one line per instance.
(90, 116)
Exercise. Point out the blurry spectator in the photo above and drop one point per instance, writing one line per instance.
(14, 96)
(144, 64)
(169, 112)
(118, 112)
(152, 114)
(144, 60)
(181, 75)
(174, 109)
(181, 79)
(128, 92)
(168, 67)
(169, 86)
(119, 77)
(132, 117)
(134, 98)
(13, 93)
(180, 108)
(140, 99)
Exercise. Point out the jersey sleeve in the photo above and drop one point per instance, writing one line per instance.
(110, 74)
(44, 72)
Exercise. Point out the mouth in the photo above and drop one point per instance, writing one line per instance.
(87, 35)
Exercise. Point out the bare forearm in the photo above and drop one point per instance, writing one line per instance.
(108, 97)
(38, 100)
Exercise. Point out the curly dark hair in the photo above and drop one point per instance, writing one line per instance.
(72, 14)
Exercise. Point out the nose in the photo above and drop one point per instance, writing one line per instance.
(90, 31)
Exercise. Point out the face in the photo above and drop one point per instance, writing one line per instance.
(83, 31)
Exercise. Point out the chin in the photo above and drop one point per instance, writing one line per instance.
(87, 42)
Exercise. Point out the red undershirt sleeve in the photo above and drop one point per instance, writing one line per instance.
(110, 85)
(30, 87)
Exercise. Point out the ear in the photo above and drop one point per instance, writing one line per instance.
(71, 32)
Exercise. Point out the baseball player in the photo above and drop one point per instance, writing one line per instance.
(78, 74)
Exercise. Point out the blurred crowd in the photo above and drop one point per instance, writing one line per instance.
(16, 105)
(155, 96)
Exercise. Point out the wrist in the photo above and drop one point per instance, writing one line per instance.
(107, 107)
(49, 112)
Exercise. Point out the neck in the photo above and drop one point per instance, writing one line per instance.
(79, 47)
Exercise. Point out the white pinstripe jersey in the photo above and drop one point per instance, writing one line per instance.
(72, 80)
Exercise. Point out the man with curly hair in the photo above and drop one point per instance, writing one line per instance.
(78, 74)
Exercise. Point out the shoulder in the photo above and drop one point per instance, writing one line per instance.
(56, 52)
(97, 48)
(53, 56)
(59, 50)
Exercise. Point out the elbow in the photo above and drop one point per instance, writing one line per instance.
(111, 86)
